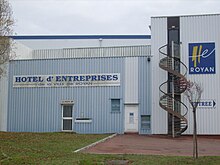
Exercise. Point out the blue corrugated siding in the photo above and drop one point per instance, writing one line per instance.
(39, 109)
(144, 91)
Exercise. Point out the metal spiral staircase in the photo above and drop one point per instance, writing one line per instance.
(171, 90)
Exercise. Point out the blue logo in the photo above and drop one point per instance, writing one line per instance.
(202, 58)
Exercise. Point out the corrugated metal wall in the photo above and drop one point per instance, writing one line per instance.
(81, 43)
(4, 98)
(126, 51)
(131, 80)
(202, 29)
(145, 93)
(193, 29)
(39, 109)
(158, 39)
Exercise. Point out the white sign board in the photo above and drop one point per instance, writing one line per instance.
(66, 80)
(206, 104)
(67, 102)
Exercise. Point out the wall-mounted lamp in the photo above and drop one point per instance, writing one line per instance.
(100, 42)
(148, 59)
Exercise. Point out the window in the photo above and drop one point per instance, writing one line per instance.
(115, 105)
(67, 124)
(67, 121)
(145, 122)
(131, 118)
(83, 120)
(67, 111)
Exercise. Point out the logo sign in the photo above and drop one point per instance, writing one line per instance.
(207, 104)
(202, 58)
(67, 80)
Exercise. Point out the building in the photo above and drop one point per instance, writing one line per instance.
(97, 61)
(108, 84)
(199, 43)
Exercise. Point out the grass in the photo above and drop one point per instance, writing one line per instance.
(57, 148)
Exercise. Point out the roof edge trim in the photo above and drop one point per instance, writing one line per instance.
(51, 37)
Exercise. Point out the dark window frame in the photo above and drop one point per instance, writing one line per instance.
(115, 105)
(146, 122)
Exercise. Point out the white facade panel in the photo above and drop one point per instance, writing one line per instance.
(124, 42)
(203, 29)
(81, 43)
(131, 80)
(47, 53)
(59, 43)
(20, 51)
(158, 39)
(125, 51)
(3, 100)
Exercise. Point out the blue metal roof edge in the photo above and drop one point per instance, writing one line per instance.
(48, 37)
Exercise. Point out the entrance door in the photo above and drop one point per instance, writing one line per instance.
(67, 117)
(131, 118)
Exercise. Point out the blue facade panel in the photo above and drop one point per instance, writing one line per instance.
(39, 109)
(144, 91)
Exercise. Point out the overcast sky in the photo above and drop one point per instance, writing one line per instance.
(81, 17)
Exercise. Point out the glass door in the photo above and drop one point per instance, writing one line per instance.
(67, 118)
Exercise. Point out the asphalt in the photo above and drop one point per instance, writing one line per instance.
(157, 145)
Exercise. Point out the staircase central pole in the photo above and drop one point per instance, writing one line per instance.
(173, 68)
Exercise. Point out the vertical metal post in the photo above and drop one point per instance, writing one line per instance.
(173, 68)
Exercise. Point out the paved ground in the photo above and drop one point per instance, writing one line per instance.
(157, 145)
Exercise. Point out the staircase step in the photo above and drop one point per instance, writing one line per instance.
(180, 85)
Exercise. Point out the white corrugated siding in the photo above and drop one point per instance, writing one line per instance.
(131, 80)
(126, 51)
(47, 53)
(158, 39)
(200, 29)
(81, 43)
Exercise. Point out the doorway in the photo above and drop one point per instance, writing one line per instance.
(131, 118)
(67, 118)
